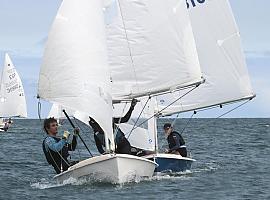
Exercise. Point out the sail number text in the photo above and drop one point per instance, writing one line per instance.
(193, 3)
(12, 76)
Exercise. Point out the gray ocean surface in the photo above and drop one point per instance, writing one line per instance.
(232, 162)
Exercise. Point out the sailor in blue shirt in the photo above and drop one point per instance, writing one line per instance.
(56, 149)
(175, 141)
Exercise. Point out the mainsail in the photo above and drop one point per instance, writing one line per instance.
(151, 48)
(12, 98)
(75, 72)
(221, 58)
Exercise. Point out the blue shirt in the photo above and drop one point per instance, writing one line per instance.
(55, 146)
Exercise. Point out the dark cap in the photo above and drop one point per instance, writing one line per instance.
(167, 125)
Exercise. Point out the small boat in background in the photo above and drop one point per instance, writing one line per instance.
(12, 98)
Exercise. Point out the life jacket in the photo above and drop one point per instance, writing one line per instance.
(171, 140)
(56, 158)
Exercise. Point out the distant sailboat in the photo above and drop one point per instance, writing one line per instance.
(75, 74)
(12, 98)
(223, 65)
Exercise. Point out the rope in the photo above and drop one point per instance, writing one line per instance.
(139, 116)
(39, 109)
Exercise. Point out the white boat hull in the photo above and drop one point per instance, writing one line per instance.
(112, 168)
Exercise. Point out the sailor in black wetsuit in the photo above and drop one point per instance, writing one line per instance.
(55, 148)
(175, 141)
(122, 144)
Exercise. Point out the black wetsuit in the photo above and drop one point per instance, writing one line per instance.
(122, 144)
(58, 157)
(177, 143)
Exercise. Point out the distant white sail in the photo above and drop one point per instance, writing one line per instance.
(221, 58)
(12, 98)
(75, 72)
(151, 47)
(56, 111)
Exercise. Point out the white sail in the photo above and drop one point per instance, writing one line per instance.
(56, 111)
(151, 47)
(221, 58)
(142, 137)
(12, 98)
(75, 72)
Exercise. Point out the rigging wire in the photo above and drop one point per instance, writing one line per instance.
(234, 109)
(188, 122)
(218, 117)
(129, 48)
(159, 112)
(139, 116)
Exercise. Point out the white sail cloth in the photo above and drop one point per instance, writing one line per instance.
(75, 72)
(12, 98)
(221, 58)
(151, 47)
(143, 137)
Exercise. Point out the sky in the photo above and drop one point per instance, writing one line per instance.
(24, 26)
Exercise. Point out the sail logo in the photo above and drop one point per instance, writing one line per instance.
(194, 3)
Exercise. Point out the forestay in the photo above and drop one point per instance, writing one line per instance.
(12, 98)
(75, 72)
(221, 58)
(151, 47)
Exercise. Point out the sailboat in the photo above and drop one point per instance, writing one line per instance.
(12, 98)
(158, 56)
(75, 74)
(223, 65)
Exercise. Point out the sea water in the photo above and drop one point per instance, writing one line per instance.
(232, 162)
